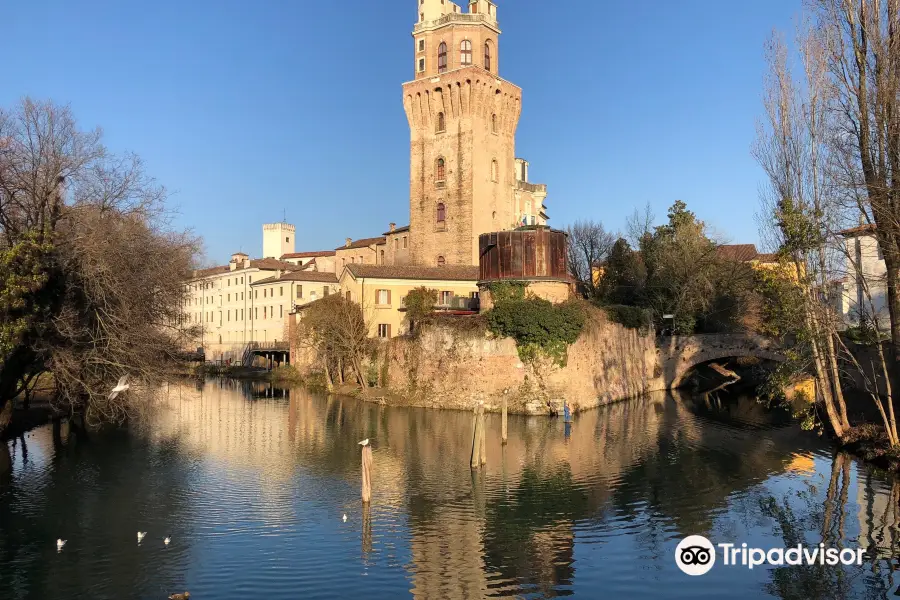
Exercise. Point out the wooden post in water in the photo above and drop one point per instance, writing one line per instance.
(476, 440)
(503, 421)
(483, 435)
(366, 474)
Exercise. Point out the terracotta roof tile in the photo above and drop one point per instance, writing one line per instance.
(868, 228)
(738, 252)
(316, 276)
(448, 273)
(364, 243)
(308, 254)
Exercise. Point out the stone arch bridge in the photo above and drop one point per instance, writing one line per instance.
(678, 354)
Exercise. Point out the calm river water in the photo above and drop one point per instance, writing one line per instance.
(251, 484)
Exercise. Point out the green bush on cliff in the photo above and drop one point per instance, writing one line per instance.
(538, 326)
(507, 291)
(632, 317)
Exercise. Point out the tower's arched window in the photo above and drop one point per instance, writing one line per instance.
(441, 124)
(439, 170)
(442, 58)
(441, 261)
(441, 213)
(465, 53)
(488, 51)
(495, 170)
(494, 123)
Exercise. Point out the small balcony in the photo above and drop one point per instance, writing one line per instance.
(535, 188)
(455, 18)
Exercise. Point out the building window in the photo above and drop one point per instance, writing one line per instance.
(353, 259)
(487, 54)
(441, 213)
(421, 45)
(382, 257)
(264, 292)
(255, 315)
(348, 296)
(404, 242)
(494, 123)
(384, 330)
(229, 297)
(439, 170)
(396, 244)
(421, 16)
(325, 290)
(280, 312)
(495, 170)
(421, 65)
(446, 298)
(465, 53)
(441, 261)
(442, 58)
(264, 312)
(441, 125)
(281, 291)
(383, 297)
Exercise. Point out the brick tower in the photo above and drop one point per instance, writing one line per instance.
(462, 120)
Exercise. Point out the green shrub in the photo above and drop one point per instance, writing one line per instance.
(420, 304)
(632, 317)
(538, 326)
(507, 291)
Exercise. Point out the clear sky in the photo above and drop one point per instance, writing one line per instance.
(248, 111)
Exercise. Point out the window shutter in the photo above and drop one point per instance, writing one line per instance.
(389, 301)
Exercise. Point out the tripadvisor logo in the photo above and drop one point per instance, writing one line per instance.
(696, 555)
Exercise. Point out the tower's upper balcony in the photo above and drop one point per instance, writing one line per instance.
(457, 18)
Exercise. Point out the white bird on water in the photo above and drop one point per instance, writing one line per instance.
(122, 386)
(60, 544)
(365, 442)
(166, 541)
(141, 535)
(345, 517)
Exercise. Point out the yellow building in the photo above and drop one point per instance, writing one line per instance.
(382, 290)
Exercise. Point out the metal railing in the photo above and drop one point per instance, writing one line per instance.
(455, 18)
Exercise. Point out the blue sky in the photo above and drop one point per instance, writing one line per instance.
(250, 110)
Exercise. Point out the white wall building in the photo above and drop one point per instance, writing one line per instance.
(851, 296)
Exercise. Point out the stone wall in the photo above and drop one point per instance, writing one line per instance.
(444, 368)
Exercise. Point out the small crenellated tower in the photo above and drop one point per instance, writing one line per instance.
(463, 119)
(278, 239)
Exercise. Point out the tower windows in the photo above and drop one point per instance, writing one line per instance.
(441, 213)
(421, 45)
(441, 261)
(441, 123)
(465, 53)
(494, 123)
(439, 170)
(421, 65)
(488, 51)
(495, 170)
(442, 58)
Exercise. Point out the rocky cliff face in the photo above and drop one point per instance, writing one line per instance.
(445, 368)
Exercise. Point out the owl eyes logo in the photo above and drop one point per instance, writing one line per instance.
(695, 555)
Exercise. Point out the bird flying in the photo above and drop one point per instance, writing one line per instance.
(122, 386)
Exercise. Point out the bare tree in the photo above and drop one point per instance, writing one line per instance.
(589, 245)
(94, 270)
(862, 45)
(335, 328)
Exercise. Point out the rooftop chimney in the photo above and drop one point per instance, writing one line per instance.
(393, 226)
(349, 241)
